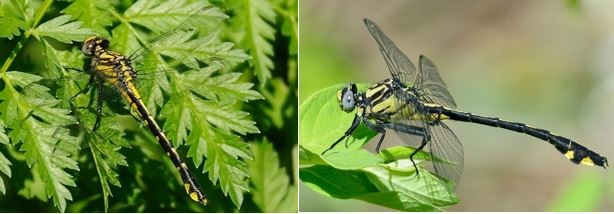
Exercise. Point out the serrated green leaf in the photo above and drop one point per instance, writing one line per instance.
(92, 14)
(106, 157)
(224, 163)
(289, 27)
(224, 87)
(62, 29)
(5, 167)
(277, 96)
(207, 49)
(217, 96)
(254, 18)
(272, 190)
(160, 16)
(38, 135)
(386, 179)
(226, 118)
(9, 27)
(180, 121)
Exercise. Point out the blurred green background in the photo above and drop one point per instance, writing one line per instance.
(545, 63)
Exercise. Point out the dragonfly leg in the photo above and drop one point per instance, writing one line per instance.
(378, 127)
(355, 124)
(425, 141)
(98, 105)
(90, 82)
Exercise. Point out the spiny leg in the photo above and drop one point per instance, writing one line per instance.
(355, 124)
(98, 105)
(90, 82)
(378, 128)
(425, 141)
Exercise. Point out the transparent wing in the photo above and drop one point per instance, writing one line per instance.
(431, 88)
(412, 139)
(406, 110)
(445, 148)
(446, 152)
(163, 40)
(400, 66)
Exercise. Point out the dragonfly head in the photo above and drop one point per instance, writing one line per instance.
(93, 44)
(347, 97)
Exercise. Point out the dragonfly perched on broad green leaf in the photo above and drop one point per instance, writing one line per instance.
(415, 102)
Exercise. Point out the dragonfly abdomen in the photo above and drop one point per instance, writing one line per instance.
(191, 185)
(575, 152)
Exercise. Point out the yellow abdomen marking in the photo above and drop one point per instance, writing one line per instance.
(569, 155)
(194, 196)
(587, 161)
(187, 188)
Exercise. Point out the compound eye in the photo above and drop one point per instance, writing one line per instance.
(87, 48)
(347, 100)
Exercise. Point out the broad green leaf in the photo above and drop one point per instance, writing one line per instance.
(272, 190)
(388, 179)
(322, 123)
(62, 29)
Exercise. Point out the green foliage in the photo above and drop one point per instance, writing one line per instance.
(196, 85)
(272, 190)
(583, 193)
(388, 179)
(256, 17)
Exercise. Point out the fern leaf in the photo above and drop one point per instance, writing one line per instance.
(62, 29)
(104, 147)
(89, 13)
(5, 164)
(14, 14)
(254, 17)
(162, 16)
(9, 27)
(223, 88)
(272, 189)
(34, 125)
(224, 153)
(210, 136)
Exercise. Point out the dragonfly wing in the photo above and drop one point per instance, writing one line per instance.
(432, 88)
(183, 29)
(446, 152)
(399, 65)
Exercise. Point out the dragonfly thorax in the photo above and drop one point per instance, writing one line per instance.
(94, 44)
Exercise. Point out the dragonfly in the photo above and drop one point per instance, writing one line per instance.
(117, 70)
(415, 102)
